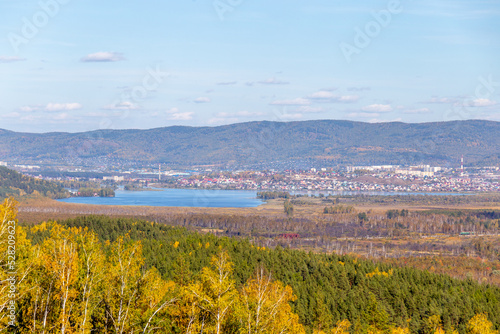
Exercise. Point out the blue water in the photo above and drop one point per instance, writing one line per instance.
(177, 197)
(206, 198)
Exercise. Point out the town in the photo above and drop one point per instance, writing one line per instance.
(366, 179)
(382, 178)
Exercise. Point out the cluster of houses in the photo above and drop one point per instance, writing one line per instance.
(331, 181)
(383, 178)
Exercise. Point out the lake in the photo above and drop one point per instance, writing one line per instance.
(177, 197)
(209, 198)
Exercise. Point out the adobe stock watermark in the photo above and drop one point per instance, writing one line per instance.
(204, 197)
(122, 106)
(130, 98)
(30, 28)
(484, 91)
(11, 271)
(462, 110)
(363, 37)
(222, 7)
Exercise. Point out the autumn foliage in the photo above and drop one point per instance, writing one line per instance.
(70, 280)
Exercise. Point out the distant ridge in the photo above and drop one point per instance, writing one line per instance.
(331, 142)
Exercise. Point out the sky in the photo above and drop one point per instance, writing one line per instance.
(74, 65)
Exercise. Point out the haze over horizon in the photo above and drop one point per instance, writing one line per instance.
(75, 66)
(132, 128)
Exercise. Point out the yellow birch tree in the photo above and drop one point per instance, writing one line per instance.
(155, 296)
(91, 278)
(480, 324)
(266, 308)
(214, 296)
(342, 327)
(122, 283)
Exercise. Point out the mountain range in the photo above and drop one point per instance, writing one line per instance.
(329, 142)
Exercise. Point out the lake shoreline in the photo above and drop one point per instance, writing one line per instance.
(175, 198)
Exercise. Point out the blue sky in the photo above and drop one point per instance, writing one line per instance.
(74, 65)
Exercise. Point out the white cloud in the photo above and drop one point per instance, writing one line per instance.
(10, 59)
(122, 106)
(273, 81)
(358, 89)
(202, 100)
(30, 118)
(181, 116)
(322, 94)
(377, 108)
(62, 106)
(348, 98)
(435, 99)
(52, 107)
(103, 57)
(482, 103)
(172, 111)
(96, 114)
(174, 114)
(227, 83)
(418, 111)
(294, 102)
(31, 108)
(61, 116)
(14, 114)
(329, 97)
(309, 109)
(239, 114)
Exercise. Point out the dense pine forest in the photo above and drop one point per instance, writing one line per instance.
(116, 275)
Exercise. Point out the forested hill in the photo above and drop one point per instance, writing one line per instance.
(13, 183)
(338, 142)
(373, 297)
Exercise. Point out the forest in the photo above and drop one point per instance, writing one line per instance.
(13, 183)
(117, 275)
(90, 192)
(273, 194)
(16, 184)
(268, 143)
(465, 238)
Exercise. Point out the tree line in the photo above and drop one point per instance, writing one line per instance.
(13, 183)
(273, 194)
(90, 192)
(325, 291)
